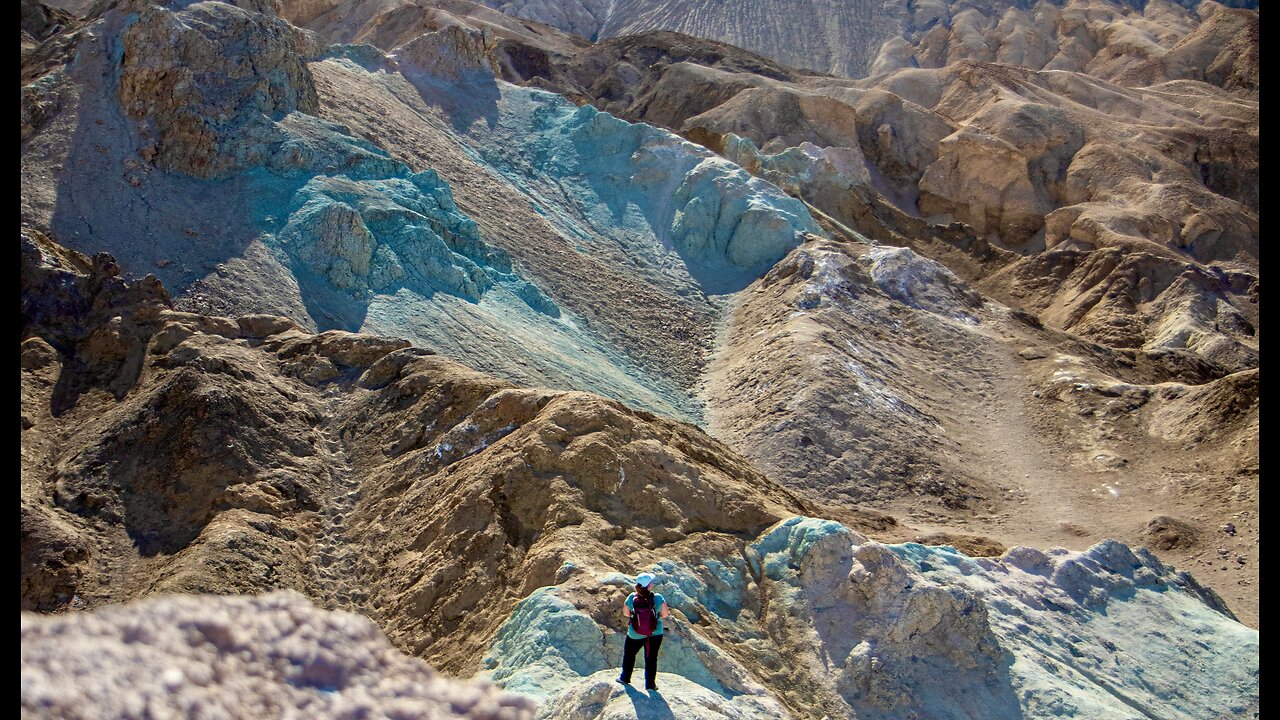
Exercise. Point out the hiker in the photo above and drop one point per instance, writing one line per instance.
(644, 611)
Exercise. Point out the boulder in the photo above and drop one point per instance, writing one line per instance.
(236, 657)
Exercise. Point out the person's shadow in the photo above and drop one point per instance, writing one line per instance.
(651, 706)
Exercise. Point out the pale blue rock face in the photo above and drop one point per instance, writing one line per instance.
(548, 645)
(545, 645)
(354, 225)
(909, 631)
(385, 250)
(643, 188)
(378, 235)
(1107, 633)
(600, 698)
(669, 213)
(787, 543)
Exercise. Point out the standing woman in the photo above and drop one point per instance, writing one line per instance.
(644, 611)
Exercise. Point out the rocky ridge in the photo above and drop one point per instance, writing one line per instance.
(352, 467)
(493, 529)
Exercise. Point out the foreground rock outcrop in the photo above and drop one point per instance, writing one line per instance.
(273, 655)
(822, 621)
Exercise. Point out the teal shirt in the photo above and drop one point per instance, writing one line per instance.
(658, 602)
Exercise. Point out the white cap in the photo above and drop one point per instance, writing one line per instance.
(645, 579)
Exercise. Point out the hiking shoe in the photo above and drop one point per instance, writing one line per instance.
(624, 682)
(650, 687)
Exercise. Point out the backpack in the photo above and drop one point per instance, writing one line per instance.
(643, 618)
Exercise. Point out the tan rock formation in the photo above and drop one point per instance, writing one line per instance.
(855, 38)
(198, 125)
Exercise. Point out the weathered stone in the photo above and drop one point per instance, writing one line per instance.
(208, 83)
(236, 657)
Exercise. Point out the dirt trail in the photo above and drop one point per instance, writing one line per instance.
(1045, 495)
(335, 556)
(1055, 487)
(1042, 492)
(1041, 497)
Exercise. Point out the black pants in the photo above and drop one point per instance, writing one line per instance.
(629, 650)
